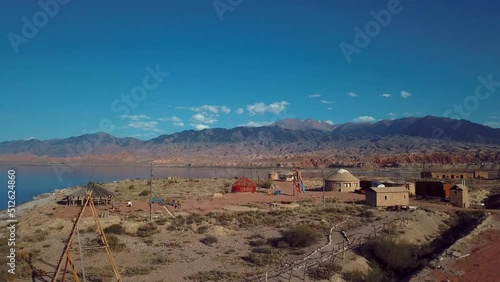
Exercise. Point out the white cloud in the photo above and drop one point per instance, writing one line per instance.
(199, 126)
(351, 94)
(261, 108)
(240, 111)
(329, 122)
(144, 125)
(391, 114)
(257, 123)
(209, 108)
(407, 114)
(329, 108)
(178, 123)
(134, 117)
(405, 94)
(203, 118)
(494, 117)
(386, 95)
(205, 108)
(326, 102)
(364, 119)
(494, 124)
(314, 96)
(225, 109)
(30, 138)
(173, 119)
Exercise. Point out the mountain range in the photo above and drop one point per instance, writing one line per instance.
(286, 142)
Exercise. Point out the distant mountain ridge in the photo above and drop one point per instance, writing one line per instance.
(283, 139)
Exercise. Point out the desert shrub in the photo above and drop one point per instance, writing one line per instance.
(161, 221)
(265, 184)
(93, 274)
(262, 250)
(264, 258)
(227, 184)
(209, 240)
(131, 187)
(215, 275)
(202, 229)
(23, 269)
(115, 229)
(300, 236)
(114, 243)
(37, 236)
(368, 213)
(395, 257)
(160, 260)
(137, 270)
(354, 276)
(195, 218)
(324, 271)
(146, 230)
(144, 192)
(257, 243)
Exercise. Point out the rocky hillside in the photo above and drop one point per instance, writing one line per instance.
(288, 142)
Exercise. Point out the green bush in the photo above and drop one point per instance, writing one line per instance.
(144, 192)
(137, 270)
(215, 275)
(114, 243)
(300, 236)
(115, 229)
(324, 271)
(395, 257)
(265, 184)
(209, 240)
(146, 230)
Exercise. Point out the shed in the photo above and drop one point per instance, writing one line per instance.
(387, 196)
(244, 185)
(432, 189)
(100, 195)
(459, 196)
(342, 181)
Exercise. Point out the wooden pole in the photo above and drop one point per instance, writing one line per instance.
(151, 194)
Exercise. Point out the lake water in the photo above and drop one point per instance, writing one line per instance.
(35, 180)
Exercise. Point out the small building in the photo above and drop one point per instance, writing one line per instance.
(342, 181)
(432, 189)
(287, 176)
(100, 195)
(273, 175)
(459, 196)
(244, 185)
(387, 196)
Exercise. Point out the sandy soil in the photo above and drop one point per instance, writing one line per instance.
(175, 251)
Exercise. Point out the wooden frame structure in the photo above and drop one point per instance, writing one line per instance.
(66, 252)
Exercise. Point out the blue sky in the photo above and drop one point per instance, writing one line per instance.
(146, 68)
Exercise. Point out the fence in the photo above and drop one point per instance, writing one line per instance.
(335, 252)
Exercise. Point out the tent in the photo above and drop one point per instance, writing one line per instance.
(244, 185)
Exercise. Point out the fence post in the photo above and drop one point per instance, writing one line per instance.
(343, 252)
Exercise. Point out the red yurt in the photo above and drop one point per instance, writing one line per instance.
(244, 185)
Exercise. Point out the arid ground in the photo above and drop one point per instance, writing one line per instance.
(220, 236)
